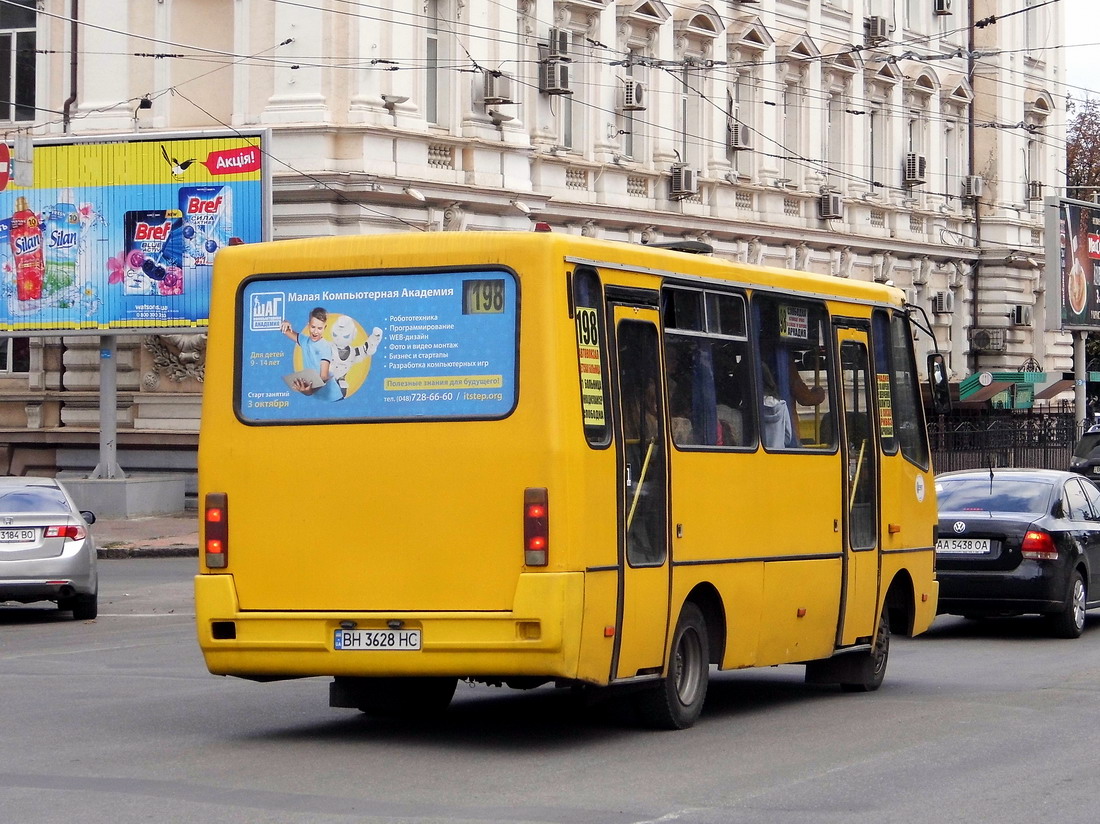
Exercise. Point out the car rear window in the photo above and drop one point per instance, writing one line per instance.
(994, 495)
(32, 499)
(1086, 445)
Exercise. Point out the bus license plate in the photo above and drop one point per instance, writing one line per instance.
(963, 546)
(9, 536)
(393, 640)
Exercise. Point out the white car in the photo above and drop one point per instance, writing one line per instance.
(46, 549)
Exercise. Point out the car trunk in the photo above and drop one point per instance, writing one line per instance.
(1004, 531)
(22, 537)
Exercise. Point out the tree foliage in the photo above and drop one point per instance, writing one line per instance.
(1083, 149)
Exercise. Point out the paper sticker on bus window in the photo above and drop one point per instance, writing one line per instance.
(591, 367)
(885, 406)
(362, 347)
(794, 322)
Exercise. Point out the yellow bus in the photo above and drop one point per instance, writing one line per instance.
(530, 458)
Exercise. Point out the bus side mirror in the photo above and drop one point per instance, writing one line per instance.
(938, 384)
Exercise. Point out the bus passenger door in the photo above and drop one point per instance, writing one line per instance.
(861, 488)
(642, 496)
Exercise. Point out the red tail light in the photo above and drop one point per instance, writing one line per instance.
(217, 530)
(1039, 546)
(73, 533)
(536, 527)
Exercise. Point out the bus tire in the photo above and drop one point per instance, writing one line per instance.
(871, 666)
(675, 702)
(404, 697)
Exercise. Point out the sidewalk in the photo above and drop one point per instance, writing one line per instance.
(147, 537)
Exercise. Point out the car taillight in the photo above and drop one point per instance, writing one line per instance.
(1039, 546)
(73, 533)
(536, 527)
(217, 530)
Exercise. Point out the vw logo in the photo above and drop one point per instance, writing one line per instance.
(959, 527)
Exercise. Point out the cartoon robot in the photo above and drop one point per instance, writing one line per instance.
(344, 355)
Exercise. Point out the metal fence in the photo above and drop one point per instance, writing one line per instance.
(1042, 438)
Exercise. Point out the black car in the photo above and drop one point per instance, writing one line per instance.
(1016, 541)
(1086, 454)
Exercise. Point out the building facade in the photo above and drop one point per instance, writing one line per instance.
(909, 141)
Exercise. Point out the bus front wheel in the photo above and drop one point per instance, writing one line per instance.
(872, 667)
(675, 702)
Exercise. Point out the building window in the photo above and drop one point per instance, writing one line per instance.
(15, 355)
(791, 131)
(435, 83)
(632, 123)
(17, 59)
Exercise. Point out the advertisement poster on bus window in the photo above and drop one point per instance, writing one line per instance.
(377, 347)
(121, 233)
(1073, 256)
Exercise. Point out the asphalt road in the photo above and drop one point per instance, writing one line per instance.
(118, 721)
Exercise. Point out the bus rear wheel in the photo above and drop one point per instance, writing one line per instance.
(676, 701)
(404, 697)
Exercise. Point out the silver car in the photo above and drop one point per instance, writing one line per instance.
(46, 549)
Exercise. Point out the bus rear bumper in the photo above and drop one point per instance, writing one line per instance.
(539, 636)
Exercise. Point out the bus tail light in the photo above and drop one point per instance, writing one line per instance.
(1039, 546)
(217, 530)
(536, 527)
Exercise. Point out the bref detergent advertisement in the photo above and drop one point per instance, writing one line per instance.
(122, 234)
(378, 347)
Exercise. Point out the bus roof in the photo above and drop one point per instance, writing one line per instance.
(400, 250)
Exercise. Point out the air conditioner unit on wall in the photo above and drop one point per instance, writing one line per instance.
(1034, 190)
(558, 44)
(912, 295)
(1021, 315)
(988, 340)
(941, 6)
(498, 87)
(633, 97)
(737, 136)
(685, 181)
(973, 187)
(830, 206)
(943, 303)
(878, 29)
(554, 77)
(915, 167)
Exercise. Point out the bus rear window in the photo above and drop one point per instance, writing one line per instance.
(414, 345)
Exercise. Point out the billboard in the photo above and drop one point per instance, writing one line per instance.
(1073, 264)
(119, 233)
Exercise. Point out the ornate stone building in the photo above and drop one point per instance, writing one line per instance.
(897, 140)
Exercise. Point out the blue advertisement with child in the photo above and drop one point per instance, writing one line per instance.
(378, 347)
(121, 234)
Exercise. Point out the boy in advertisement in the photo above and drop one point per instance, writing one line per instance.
(314, 376)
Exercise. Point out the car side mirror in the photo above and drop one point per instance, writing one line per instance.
(89, 517)
(938, 385)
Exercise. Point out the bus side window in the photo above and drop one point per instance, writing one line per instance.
(708, 370)
(795, 375)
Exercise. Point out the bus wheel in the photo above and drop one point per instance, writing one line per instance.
(872, 665)
(407, 697)
(676, 701)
